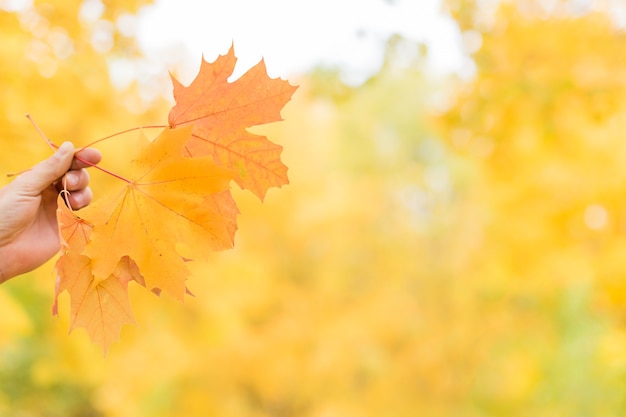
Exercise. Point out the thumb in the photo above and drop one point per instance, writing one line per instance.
(34, 181)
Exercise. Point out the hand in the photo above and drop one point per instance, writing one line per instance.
(29, 232)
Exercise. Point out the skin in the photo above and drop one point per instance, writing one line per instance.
(29, 233)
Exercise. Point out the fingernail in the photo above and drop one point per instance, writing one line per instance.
(72, 179)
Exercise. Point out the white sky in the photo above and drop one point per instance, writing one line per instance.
(294, 36)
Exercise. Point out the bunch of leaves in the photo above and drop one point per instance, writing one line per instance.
(176, 204)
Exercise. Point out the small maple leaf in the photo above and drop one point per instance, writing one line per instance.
(220, 113)
(74, 234)
(101, 307)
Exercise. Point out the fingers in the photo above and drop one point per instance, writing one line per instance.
(75, 180)
(81, 198)
(61, 170)
(77, 183)
(91, 155)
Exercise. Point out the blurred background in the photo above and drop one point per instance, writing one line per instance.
(452, 242)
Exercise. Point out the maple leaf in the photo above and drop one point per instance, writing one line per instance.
(74, 234)
(101, 307)
(220, 113)
(169, 201)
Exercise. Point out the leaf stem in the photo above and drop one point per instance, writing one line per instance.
(43, 135)
(84, 161)
(106, 171)
(132, 129)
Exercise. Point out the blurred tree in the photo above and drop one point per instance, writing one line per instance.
(542, 120)
(459, 268)
(55, 67)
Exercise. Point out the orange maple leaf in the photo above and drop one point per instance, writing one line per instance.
(169, 201)
(220, 113)
(74, 234)
(101, 307)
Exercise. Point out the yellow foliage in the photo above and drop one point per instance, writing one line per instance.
(470, 269)
(15, 322)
